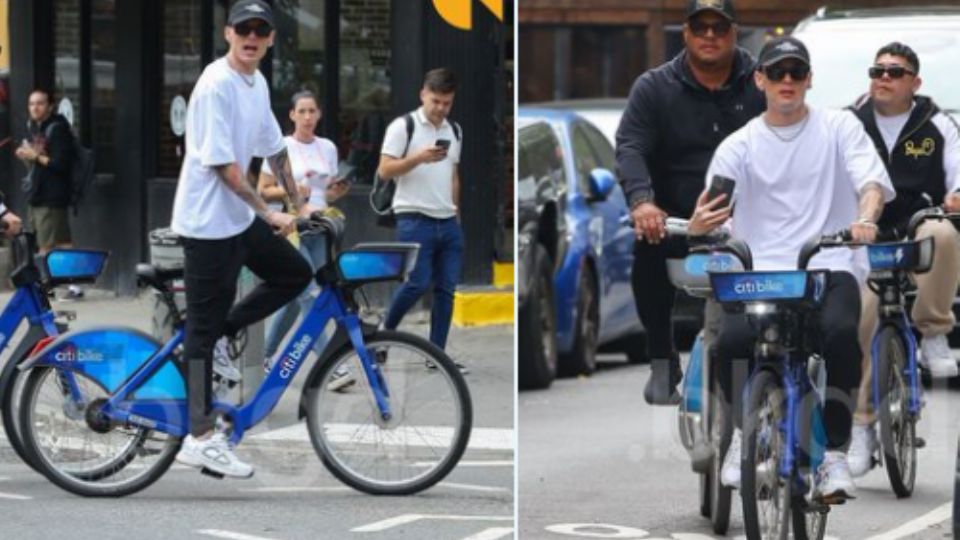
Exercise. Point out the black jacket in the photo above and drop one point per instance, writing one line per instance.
(916, 165)
(672, 126)
(52, 183)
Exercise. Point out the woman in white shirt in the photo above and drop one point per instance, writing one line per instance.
(313, 161)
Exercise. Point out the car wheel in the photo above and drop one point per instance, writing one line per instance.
(582, 358)
(537, 325)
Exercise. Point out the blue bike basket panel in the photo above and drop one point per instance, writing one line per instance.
(74, 265)
(773, 285)
(111, 356)
(367, 263)
(901, 255)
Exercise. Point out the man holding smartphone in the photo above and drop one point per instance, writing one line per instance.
(426, 202)
(676, 116)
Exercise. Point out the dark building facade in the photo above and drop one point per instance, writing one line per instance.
(122, 72)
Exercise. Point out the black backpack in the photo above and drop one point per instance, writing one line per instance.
(381, 196)
(82, 173)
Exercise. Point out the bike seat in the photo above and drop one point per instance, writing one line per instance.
(147, 274)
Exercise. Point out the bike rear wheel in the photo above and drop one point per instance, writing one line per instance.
(423, 440)
(766, 496)
(110, 461)
(897, 426)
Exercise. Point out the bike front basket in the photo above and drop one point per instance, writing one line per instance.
(61, 266)
(373, 262)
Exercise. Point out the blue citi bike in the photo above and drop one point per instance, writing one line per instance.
(783, 433)
(401, 429)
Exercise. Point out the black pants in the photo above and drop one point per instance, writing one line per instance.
(836, 337)
(211, 269)
(654, 295)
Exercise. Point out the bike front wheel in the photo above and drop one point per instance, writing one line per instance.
(766, 496)
(898, 437)
(426, 433)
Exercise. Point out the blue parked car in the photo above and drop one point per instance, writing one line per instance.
(581, 229)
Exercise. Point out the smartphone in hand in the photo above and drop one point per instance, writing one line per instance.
(443, 143)
(721, 185)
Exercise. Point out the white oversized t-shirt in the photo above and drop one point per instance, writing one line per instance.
(313, 164)
(428, 187)
(228, 121)
(789, 192)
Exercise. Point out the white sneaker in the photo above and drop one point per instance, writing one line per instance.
(834, 482)
(341, 380)
(863, 442)
(936, 356)
(214, 454)
(730, 472)
(223, 364)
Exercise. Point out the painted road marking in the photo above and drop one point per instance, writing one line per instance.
(301, 489)
(218, 533)
(938, 515)
(480, 438)
(493, 533)
(412, 518)
(470, 463)
(473, 487)
(597, 530)
(14, 497)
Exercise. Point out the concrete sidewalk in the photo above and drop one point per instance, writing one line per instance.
(488, 351)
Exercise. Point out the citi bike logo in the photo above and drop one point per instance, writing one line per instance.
(70, 353)
(886, 257)
(752, 287)
(290, 362)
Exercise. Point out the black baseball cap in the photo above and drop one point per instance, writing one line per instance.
(781, 48)
(722, 7)
(244, 10)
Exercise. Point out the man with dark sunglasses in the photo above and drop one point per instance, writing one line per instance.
(225, 225)
(676, 116)
(800, 173)
(920, 146)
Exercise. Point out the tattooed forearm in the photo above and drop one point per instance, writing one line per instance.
(871, 202)
(234, 179)
(280, 164)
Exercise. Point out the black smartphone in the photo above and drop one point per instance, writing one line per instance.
(721, 185)
(443, 143)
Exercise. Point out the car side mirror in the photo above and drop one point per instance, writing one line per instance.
(602, 183)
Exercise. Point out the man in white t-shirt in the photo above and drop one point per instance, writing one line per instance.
(800, 173)
(225, 225)
(920, 146)
(427, 201)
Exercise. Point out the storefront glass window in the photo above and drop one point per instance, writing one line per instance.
(5, 141)
(298, 55)
(66, 52)
(364, 85)
(103, 100)
(181, 69)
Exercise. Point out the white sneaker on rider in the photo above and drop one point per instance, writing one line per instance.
(341, 379)
(223, 364)
(730, 472)
(213, 453)
(863, 442)
(833, 477)
(936, 356)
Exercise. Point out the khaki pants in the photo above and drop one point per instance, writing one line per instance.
(932, 312)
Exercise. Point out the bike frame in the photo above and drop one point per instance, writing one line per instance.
(153, 413)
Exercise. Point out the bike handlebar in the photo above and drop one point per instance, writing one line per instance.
(927, 214)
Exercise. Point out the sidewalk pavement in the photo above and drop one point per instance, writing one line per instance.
(488, 352)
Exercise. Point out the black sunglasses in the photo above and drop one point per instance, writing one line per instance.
(895, 72)
(720, 28)
(243, 29)
(797, 72)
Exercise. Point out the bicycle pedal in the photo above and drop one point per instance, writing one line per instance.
(211, 473)
(919, 442)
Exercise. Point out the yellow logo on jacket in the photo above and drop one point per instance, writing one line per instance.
(926, 148)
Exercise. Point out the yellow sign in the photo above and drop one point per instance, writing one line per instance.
(926, 148)
(4, 37)
(459, 13)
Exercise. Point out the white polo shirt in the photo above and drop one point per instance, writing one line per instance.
(788, 192)
(428, 187)
(228, 121)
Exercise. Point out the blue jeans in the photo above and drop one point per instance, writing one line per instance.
(439, 261)
(314, 250)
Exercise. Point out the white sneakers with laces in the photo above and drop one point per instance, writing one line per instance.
(863, 443)
(730, 472)
(215, 454)
(833, 477)
(223, 364)
(936, 356)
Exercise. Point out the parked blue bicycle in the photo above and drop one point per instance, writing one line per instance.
(33, 278)
(783, 433)
(401, 429)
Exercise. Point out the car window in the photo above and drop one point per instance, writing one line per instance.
(601, 147)
(584, 158)
(542, 158)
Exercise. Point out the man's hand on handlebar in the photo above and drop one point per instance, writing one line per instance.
(648, 222)
(708, 215)
(863, 232)
(283, 224)
(951, 203)
(12, 224)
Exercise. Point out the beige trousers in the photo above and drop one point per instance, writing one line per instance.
(932, 313)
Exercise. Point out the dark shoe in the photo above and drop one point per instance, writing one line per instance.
(661, 389)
